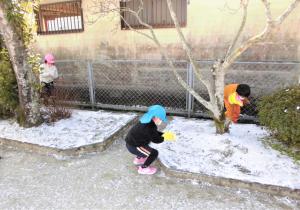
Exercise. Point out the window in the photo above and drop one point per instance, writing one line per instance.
(62, 17)
(154, 13)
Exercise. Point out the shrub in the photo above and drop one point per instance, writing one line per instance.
(280, 113)
(8, 87)
(55, 109)
(55, 113)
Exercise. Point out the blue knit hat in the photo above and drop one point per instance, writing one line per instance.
(154, 111)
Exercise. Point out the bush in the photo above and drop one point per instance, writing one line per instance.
(55, 113)
(280, 113)
(54, 109)
(8, 87)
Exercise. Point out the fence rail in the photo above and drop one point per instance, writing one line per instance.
(137, 84)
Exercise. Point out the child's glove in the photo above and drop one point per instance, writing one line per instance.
(169, 136)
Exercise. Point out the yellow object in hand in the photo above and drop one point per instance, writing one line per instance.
(234, 99)
(169, 136)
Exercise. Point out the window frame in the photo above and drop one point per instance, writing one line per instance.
(182, 20)
(42, 26)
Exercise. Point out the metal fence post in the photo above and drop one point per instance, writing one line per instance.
(91, 83)
(189, 97)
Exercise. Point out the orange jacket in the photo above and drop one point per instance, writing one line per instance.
(232, 110)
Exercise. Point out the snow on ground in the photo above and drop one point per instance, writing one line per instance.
(83, 128)
(238, 155)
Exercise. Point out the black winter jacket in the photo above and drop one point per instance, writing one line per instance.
(142, 134)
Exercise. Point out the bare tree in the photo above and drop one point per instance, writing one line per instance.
(214, 82)
(13, 32)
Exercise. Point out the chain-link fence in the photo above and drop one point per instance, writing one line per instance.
(137, 84)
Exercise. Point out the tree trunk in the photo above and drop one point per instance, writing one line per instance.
(222, 125)
(27, 81)
(217, 97)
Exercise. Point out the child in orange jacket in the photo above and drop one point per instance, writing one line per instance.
(235, 96)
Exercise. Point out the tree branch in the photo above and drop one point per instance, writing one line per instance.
(268, 10)
(244, 4)
(135, 30)
(270, 24)
(185, 45)
(286, 13)
(163, 52)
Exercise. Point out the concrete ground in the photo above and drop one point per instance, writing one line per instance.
(108, 180)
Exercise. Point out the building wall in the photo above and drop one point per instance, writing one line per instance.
(210, 28)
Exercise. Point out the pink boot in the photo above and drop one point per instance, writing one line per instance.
(139, 161)
(149, 170)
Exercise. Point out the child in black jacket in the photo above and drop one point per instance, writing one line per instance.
(142, 134)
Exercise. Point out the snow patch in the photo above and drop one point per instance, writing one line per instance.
(83, 128)
(238, 155)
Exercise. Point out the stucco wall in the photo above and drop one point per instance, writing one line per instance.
(210, 28)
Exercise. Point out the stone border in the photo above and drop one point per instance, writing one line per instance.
(51, 151)
(233, 183)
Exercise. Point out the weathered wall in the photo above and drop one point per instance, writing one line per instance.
(210, 28)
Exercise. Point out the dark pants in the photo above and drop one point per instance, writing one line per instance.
(47, 89)
(145, 152)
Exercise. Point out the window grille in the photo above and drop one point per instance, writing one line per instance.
(154, 13)
(62, 17)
